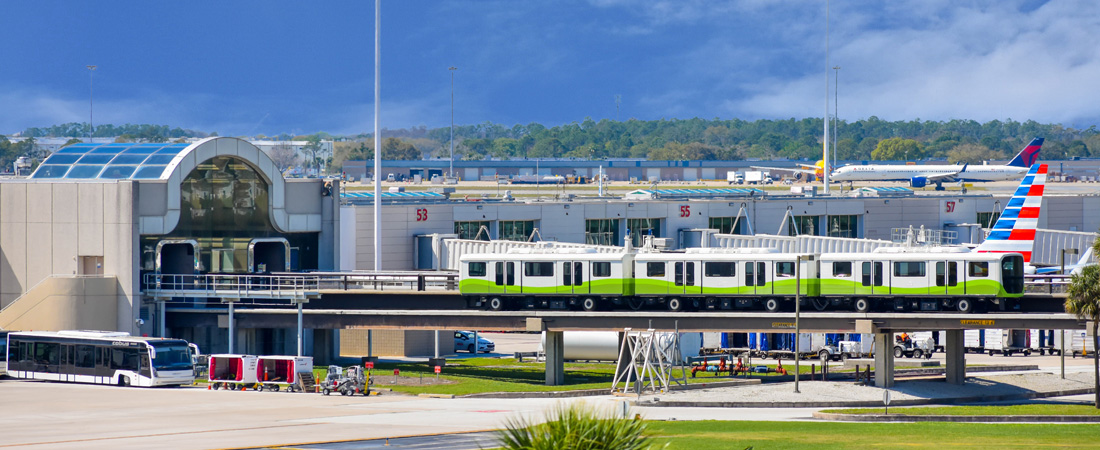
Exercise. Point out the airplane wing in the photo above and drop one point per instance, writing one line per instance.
(786, 169)
(945, 176)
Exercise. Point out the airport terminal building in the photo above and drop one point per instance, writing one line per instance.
(83, 236)
(79, 236)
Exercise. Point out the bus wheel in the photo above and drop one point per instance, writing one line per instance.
(771, 305)
(496, 304)
(862, 305)
(589, 304)
(675, 304)
(124, 381)
(964, 306)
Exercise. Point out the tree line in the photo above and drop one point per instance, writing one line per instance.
(955, 140)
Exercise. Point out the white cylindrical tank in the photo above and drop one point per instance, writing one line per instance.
(604, 345)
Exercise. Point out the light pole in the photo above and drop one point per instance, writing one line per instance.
(91, 103)
(451, 173)
(797, 311)
(836, 109)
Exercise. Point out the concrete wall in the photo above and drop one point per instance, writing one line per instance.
(65, 303)
(353, 342)
(45, 229)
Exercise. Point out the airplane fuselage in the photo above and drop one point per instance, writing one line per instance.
(897, 172)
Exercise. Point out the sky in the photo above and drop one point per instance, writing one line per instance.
(248, 67)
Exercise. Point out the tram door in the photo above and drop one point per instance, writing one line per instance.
(684, 280)
(504, 278)
(756, 278)
(872, 278)
(947, 278)
(571, 278)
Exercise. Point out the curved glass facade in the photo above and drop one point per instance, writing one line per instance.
(110, 161)
(224, 204)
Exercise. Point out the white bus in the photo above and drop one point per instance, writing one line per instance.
(3, 353)
(100, 357)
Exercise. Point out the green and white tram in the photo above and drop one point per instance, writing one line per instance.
(99, 357)
(948, 279)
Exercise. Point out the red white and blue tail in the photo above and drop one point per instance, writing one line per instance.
(1014, 232)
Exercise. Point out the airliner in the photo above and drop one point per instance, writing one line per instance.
(921, 175)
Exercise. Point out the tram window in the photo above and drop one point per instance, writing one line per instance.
(655, 269)
(908, 269)
(720, 269)
(85, 356)
(566, 274)
(538, 269)
(842, 269)
(601, 269)
(784, 269)
(978, 269)
(476, 269)
(500, 274)
(750, 279)
(941, 279)
(866, 274)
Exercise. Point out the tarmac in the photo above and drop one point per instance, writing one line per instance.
(73, 416)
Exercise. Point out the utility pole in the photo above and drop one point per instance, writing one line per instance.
(91, 102)
(825, 151)
(451, 172)
(836, 107)
(377, 137)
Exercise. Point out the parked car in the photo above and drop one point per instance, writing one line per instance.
(464, 341)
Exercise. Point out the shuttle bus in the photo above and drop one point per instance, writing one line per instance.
(99, 357)
(3, 353)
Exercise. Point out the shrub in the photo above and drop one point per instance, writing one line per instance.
(575, 427)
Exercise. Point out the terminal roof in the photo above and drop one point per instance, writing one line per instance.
(111, 162)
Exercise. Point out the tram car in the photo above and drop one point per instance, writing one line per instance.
(943, 279)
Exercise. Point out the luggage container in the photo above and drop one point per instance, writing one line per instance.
(233, 371)
(277, 372)
(973, 341)
(1007, 342)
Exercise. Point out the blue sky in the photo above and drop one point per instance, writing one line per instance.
(274, 66)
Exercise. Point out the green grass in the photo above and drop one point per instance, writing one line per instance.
(1037, 409)
(478, 375)
(706, 435)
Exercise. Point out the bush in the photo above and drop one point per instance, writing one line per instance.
(575, 427)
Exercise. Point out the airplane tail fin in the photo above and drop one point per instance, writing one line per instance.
(1028, 156)
(1014, 231)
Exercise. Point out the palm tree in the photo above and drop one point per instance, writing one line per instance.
(1083, 301)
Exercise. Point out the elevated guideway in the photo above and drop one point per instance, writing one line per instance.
(429, 300)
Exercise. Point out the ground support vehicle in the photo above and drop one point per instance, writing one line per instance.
(354, 380)
(282, 372)
(99, 357)
(233, 371)
(1045, 342)
(913, 348)
(1080, 343)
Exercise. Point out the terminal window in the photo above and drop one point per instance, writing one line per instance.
(987, 219)
(843, 226)
(803, 225)
(472, 230)
(516, 230)
(601, 232)
(639, 228)
(725, 225)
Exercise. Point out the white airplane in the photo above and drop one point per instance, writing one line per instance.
(921, 175)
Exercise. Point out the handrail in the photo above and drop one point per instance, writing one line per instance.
(296, 285)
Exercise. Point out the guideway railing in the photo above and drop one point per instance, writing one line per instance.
(297, 285)
(294, 285)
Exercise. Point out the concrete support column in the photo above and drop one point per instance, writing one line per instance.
(232, 327)
(161, 313)
(884, 360)
(555, 358)
(299, 328)
(956, 357)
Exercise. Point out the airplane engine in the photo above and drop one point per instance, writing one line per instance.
(918, 182)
